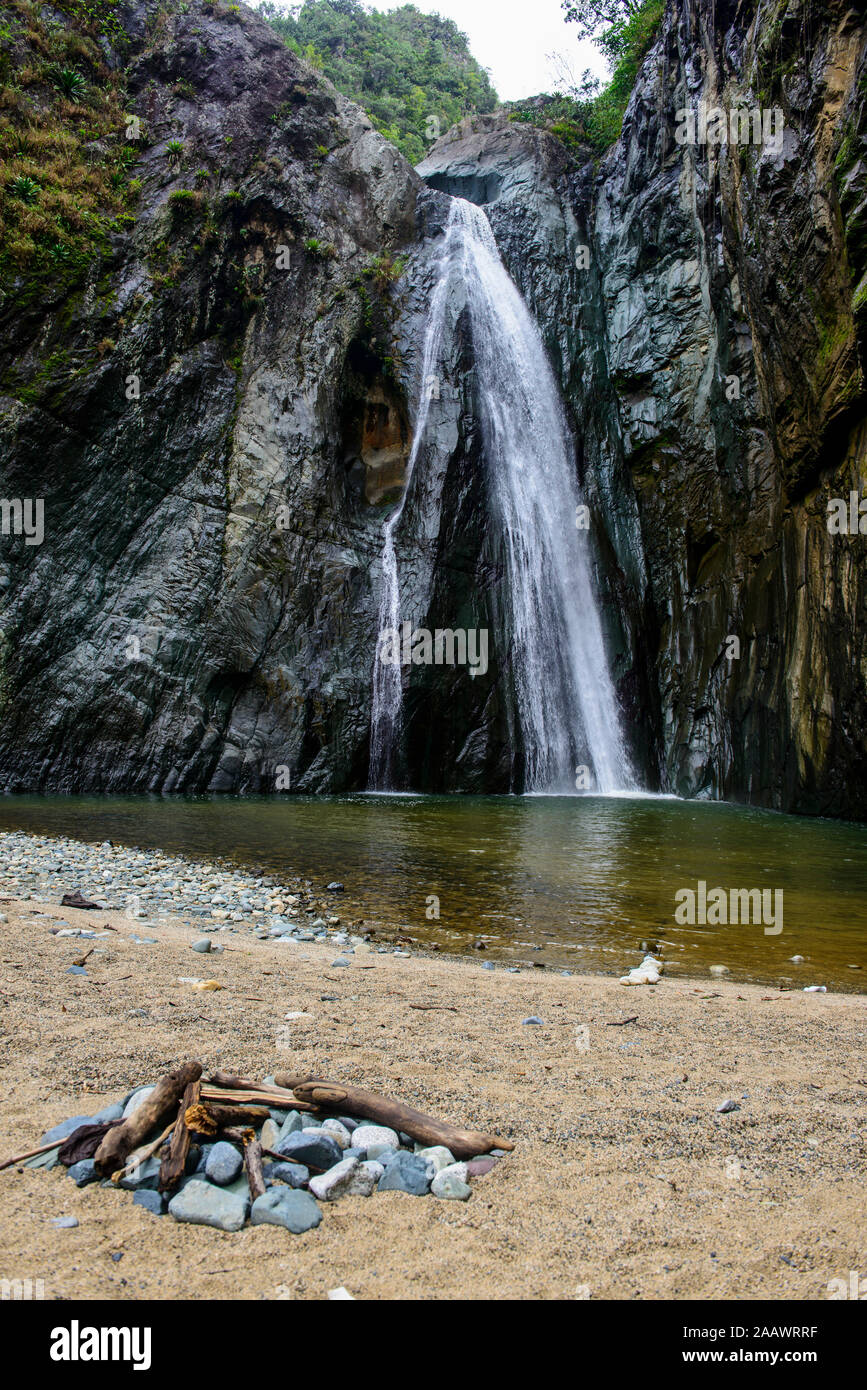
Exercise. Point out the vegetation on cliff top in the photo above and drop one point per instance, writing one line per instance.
(412, 73)
(64, 160)
(589, 115)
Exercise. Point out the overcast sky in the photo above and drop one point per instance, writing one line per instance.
(513, 39)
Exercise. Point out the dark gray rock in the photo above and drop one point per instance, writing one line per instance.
(406, 1172)
(295, 1174)
(223, 1163)
(152, 1201)
(84, 1172)
(282, 1206)
(315, 1150)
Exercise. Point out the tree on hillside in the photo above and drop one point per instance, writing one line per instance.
(592, 15)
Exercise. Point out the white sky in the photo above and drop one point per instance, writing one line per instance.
(513, 38)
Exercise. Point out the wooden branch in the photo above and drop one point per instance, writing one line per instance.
(352, 1100)
(230, 1082)
(277, 1099)
(119, 1142)
(253, 1165)
(30, 1153)
(141, 1155)
(175, 1161)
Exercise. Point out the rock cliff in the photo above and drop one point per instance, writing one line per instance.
(220, 415)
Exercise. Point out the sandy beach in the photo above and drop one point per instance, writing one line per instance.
(625, 1181)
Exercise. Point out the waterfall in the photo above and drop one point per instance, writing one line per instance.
(549, 636)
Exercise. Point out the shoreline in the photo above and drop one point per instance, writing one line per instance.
(626, 1180)
(154, 887)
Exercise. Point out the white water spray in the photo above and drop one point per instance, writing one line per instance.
(550, 635)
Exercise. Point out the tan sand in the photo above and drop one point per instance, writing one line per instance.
(625, 1183)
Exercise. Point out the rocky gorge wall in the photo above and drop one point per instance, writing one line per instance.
(203, 609)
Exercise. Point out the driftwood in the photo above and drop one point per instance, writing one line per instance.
(120, 1141)
(29, 1153)
(253, 1095)
(352, 1100)
(83, 1142)
(207, 1118)
(141, 1155)
(175, 1161)
(76, 900)
(287, 1158)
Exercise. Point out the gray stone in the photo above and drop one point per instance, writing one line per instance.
(281, 1206)
(295, 1174)
(223, 1164)
(151, 1201)
(138, 1097)
(84, 1172)
(438, 1155)
(331, 1185)
(315, 1150)
(451, 1183)
(375, 1139)
(203, 1204)
(406, 1172)
(65, 1128)
(65, 1223)
(364, 1179)
(338, 1132)
(203, 945)
(144, 1175)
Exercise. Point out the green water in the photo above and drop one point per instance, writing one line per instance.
(587, 878)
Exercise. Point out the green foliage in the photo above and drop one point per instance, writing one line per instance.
(319, 250)
(175, 151)
(385, 270)
(69, 83)
(412, 73)
(588, 116)
(63, 152)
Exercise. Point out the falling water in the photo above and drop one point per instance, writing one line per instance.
(550, 634)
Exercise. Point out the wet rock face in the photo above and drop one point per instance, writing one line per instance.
(203, 610)
(712, 356)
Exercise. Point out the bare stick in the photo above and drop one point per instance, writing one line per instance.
(352, 1100)
(31, 1153)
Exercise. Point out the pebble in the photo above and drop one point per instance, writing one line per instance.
(451, 1184)
(293, 1124)
(815, 989)
(65, 1223)
(365, 1178)
(283, 1206)
(375, 1137)
(339, 962)
(84, 1172)
(295, 1174)
(270, 1133)
(223, 1163)
(438, 1155)
(202, 1204)
(477, 1167)
(203, 945)
(727, 1106)
(335, 888)
(316, 1150)
(406, 1172)
(338, 1132)
(719, 970)
(340, 1295)
(331, 1185)
(151, 1201)
(532, 1019)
